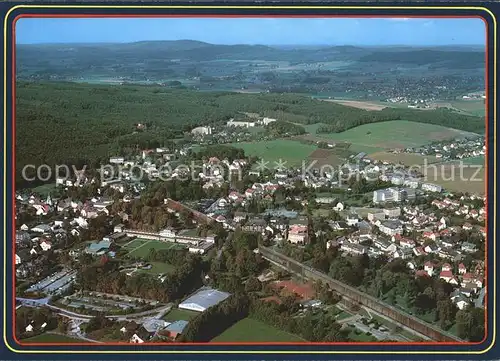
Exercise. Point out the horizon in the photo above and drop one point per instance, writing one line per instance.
(378, 32)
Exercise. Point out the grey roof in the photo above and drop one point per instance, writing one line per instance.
(205, 298)
(177, 326)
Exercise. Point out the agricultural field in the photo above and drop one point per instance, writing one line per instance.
(394, 134)
(407, 159)
(322, 157)
(366, 105)
(474, 107)
(177, 314)
(250, 330)
(475, 160)
(289, 151)
(51, 338)
(453, 178)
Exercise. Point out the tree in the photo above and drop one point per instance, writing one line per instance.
(470, 324)
(252, 285)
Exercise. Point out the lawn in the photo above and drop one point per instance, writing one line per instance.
(250, 330)
(393, 134)
(45, 189)
(312, 128)
(52, 338)
(177, 314)
(142, 250)
(289, 151)
(134, 244)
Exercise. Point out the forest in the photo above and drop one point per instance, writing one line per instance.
(68, 123)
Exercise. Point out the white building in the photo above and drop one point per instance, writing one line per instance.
(203, 299)
(202, 130)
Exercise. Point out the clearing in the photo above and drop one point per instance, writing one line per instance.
(394, 134)
(289, 151)
(250, 330)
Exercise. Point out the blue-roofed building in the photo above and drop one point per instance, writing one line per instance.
(98, 248)
(204, 299)
(175, 329)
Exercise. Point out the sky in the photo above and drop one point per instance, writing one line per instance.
(265, 31)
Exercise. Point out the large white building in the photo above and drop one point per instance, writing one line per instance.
(202, 130)
(204, 299)
(393, 195)
(233, 123)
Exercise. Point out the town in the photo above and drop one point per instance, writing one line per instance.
(137, 250)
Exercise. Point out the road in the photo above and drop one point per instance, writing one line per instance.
(43, 302)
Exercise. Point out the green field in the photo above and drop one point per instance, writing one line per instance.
(475, 160)
(393, 134)
(312, 128)
(142, 250)
(177, 315)
(45, 189)
(250, 330)
(289, 151)
(50, 337)
(472, 106)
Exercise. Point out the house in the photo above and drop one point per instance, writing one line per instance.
(404, 242)
(375, 216)
(467, 226)
(392, 212)
(462, 269)
(175, 329)
(429, 268)
(447, 276)
(254, 225)
(391, 227)
(430, 235)
(446, 267)
(45, 245)
(352, 219)
(419, 251)
(430, 187)
(403, 253)
(298, 234)
(385, 246)
(339, 207)
(459, 299)
(432, 248)
(468, 247)
(339, 226)
(352, 248)
(29, 328)
(41, 228)
(240, 216)
(140, 336)
(18, 259)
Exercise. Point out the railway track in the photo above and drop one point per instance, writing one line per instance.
(359, 297)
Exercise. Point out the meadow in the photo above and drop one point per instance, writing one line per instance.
(408, 159)
(250, 330)
(393, 134)
(289, 151)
